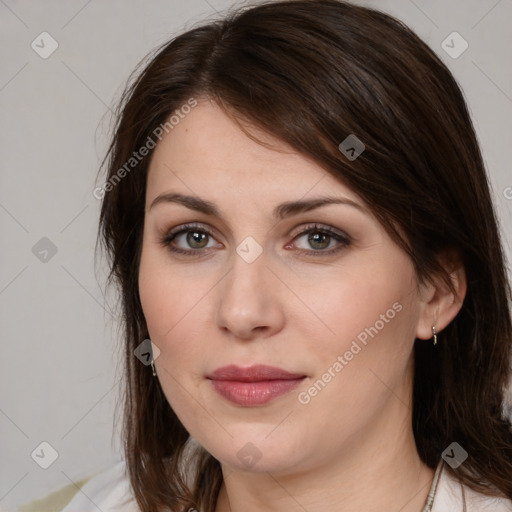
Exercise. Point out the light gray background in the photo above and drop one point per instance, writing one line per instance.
(59, 371)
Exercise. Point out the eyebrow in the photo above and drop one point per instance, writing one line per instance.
(280, 212)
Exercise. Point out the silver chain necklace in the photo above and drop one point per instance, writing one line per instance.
(433, 488)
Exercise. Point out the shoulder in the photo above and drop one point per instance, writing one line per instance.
(108, 490)
(454, 496)
(56, 500)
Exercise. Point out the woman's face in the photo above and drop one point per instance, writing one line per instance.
(269, 274)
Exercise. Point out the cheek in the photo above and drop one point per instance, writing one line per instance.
(178, 315)
(172, 309)
(167, 293)
(376, 304)
(373, 319)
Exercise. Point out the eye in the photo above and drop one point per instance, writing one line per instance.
(321, 240)
(195, 238)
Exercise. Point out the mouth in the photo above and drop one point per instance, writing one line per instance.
(254, 385)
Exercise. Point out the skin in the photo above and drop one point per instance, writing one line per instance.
(351, 447)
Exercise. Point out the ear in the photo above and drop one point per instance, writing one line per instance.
(439, 306)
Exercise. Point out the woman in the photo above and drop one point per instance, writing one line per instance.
(298, 216)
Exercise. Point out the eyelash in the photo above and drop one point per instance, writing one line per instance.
(343, 240)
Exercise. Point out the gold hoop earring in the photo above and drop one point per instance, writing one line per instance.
(434, 334)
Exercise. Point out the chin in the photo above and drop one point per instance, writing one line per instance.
(253, 453)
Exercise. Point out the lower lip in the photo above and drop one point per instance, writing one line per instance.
(254, 393)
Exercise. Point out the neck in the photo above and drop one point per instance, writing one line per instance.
(381, 470)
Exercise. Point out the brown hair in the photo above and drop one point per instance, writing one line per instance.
(311, 73)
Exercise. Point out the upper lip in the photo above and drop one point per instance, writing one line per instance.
(256, 373)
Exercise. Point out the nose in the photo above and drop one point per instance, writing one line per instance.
(249, 304)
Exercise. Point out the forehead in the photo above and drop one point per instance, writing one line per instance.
(206, 152)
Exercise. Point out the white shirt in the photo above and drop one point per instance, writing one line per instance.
(110, 491)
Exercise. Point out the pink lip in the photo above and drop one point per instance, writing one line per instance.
(254, 385)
